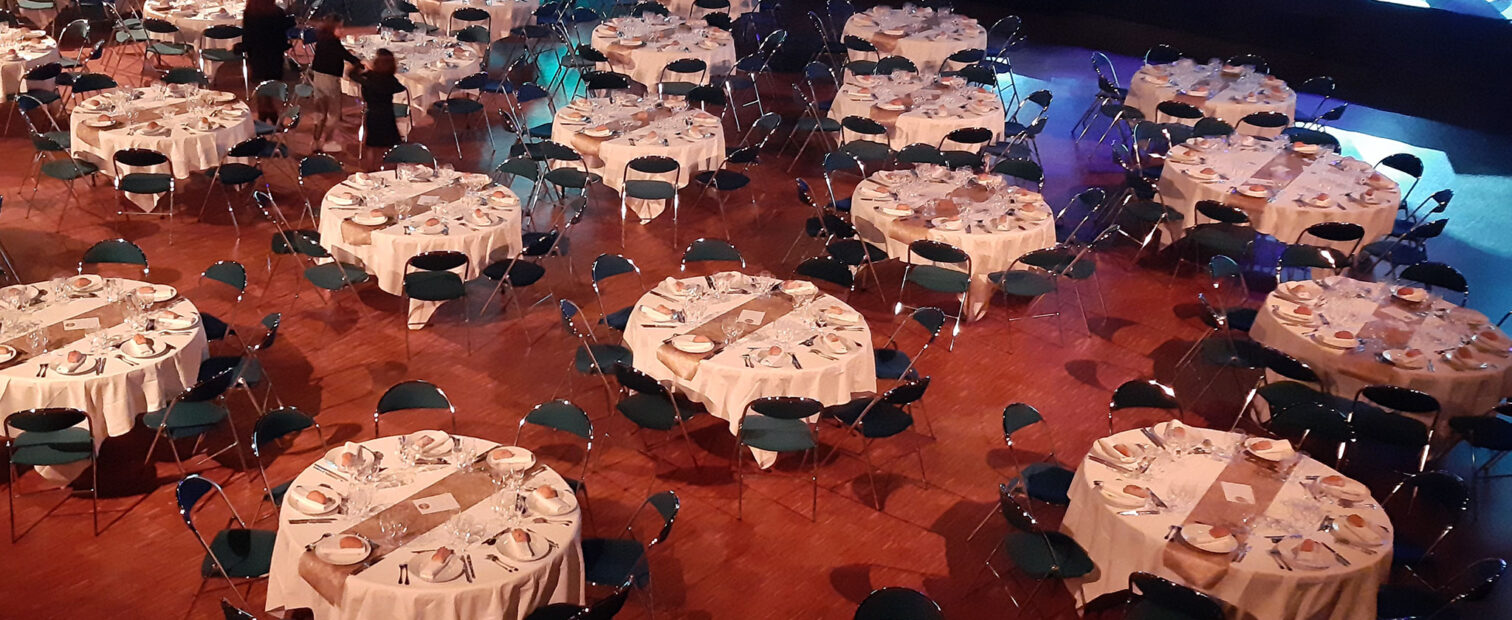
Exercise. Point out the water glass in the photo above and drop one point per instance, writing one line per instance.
(392, 528)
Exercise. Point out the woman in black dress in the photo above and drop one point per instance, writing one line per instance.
(265, 38)
(378, 89)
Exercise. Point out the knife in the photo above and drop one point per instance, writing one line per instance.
(1340, 558)
(1153, 437)
(1100, 460)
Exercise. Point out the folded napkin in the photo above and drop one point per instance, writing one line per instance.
(431, 442)
(1124, 495)
(74, 362)
(350, 456)
(169, 319)
(345, 549)
(548, 499)
(520, 543)
(1177, 431)
(1203, 535)
(510, 457)
(841, 314)
(798, 287)
(1311, 554)
(1343, 488)
(1356, 529)
(835, 344)
(1113, 451)
(436, 562)
(309, 499)
(658, 312)
(1272, 449)
(674, 286)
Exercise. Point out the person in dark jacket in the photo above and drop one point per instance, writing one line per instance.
(378, 89)
(327, 67)
(265, 38)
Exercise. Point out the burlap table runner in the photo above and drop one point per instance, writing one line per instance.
(362, 234)
(588, 146)
(1202, 569)
(109, 315)
(1277, 174)
(468, 487)
(685, 365)
(889, 118)
(1387, 330)
(911, 228)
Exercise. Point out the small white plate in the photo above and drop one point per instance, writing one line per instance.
(1273, 457)
(162, 293)
(1330, 340)
(1319, 561)
(1222, 545)
(947, 223)
(99, 124)
(537, 544)
(895, 211)
(87, 283)
(598, 133)
(1252, 192)
(686, 344)
(328, 552)
(7, 353)
(1410, 294)
(441, 443)
(131, 350)
(1400, 358)
(369, 220)
(87, 366)
(297, 493)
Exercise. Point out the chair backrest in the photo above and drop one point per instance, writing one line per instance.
(1266, 120)
(892, 64)
(188, 494)
(1222, 213)
(898, 604)
(114, 251)
(1475, 582)
(560, 415)
(1437, 275)
(1021, 169)
(638, 381)
(1209, 127)
(937, 252)
(1174, 599)
(785, 407)
(711, 250)
(228, 272)
(1253, 61)
(278, 424)
(437, 260)
(921, 153)
(1015, 513)
(1162, 54)
(413, 394)
(409, 153)
(231, 612)
(827, 269)
(1143, 394)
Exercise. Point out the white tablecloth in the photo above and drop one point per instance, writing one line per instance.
(725, 384)
(193, 17)
(188, 149)
(1229, 97)
(991, 249)
(374, 593)
(685, 8)
(1256, 587)
(694, 154)
(1285, 216)
(21, 50)
(1350, 305)
(666, 40)
(392, 247)
(504, 14)
(937, 110)
(428, 65)
(927, 38)
(123, 390)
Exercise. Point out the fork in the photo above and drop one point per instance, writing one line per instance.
(495, 559)
(42, 371)
(403, 574)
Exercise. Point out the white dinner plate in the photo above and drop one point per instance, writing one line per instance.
(7, 353)
(451, 570)
(1320, 560)
(1222, 545)
(328, 552)
(538, 506)
(686, 344)
(304, 506)
(538, 544)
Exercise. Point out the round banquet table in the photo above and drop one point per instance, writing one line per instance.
(384, 248)
(557, 577)
(664, 39)
(190, 147)
(1231, 93)
(193, 17)
(1382, 322)
(639, 128)
(504, 15)
(1198, 488)
(922, 35)
(725, 382)
(1292, 181)
(686, 8)
(25, 49)
(123, 388)
(428, 65)
(925, 111)
(1001, 223)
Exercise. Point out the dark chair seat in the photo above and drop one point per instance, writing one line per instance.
(608, 355)
(723, 180)
(568, 177)
(613, 561)
(277, 493)
(646, 189)
(215, 329)
(220, 55)
(521, 273)
(823, 124)
(776, 435)
(145, 183)
(1152, 212)
(866, 150)
(189, 419)
(891, 363)
(243, 553)
(1059, 557)
(248, 369)
(237, 174)
(34, 448)
(618, 319)
(1023, 283)
(884, 420)
(649, 411)
(1227, 239)
(962, 159)
(940, 279)
(333, 276)
(434, 286)
(69, 169)
(1048, 483)
(458, 105)
(541, 131)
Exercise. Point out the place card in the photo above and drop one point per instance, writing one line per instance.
(436, 503)
(753, 317)
(86, 323)
(1238, 493)
(427, 200)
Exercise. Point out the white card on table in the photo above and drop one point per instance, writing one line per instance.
(436, 503)
(751, 316)
(1238, 493)
(81, 324)
(428, 200)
